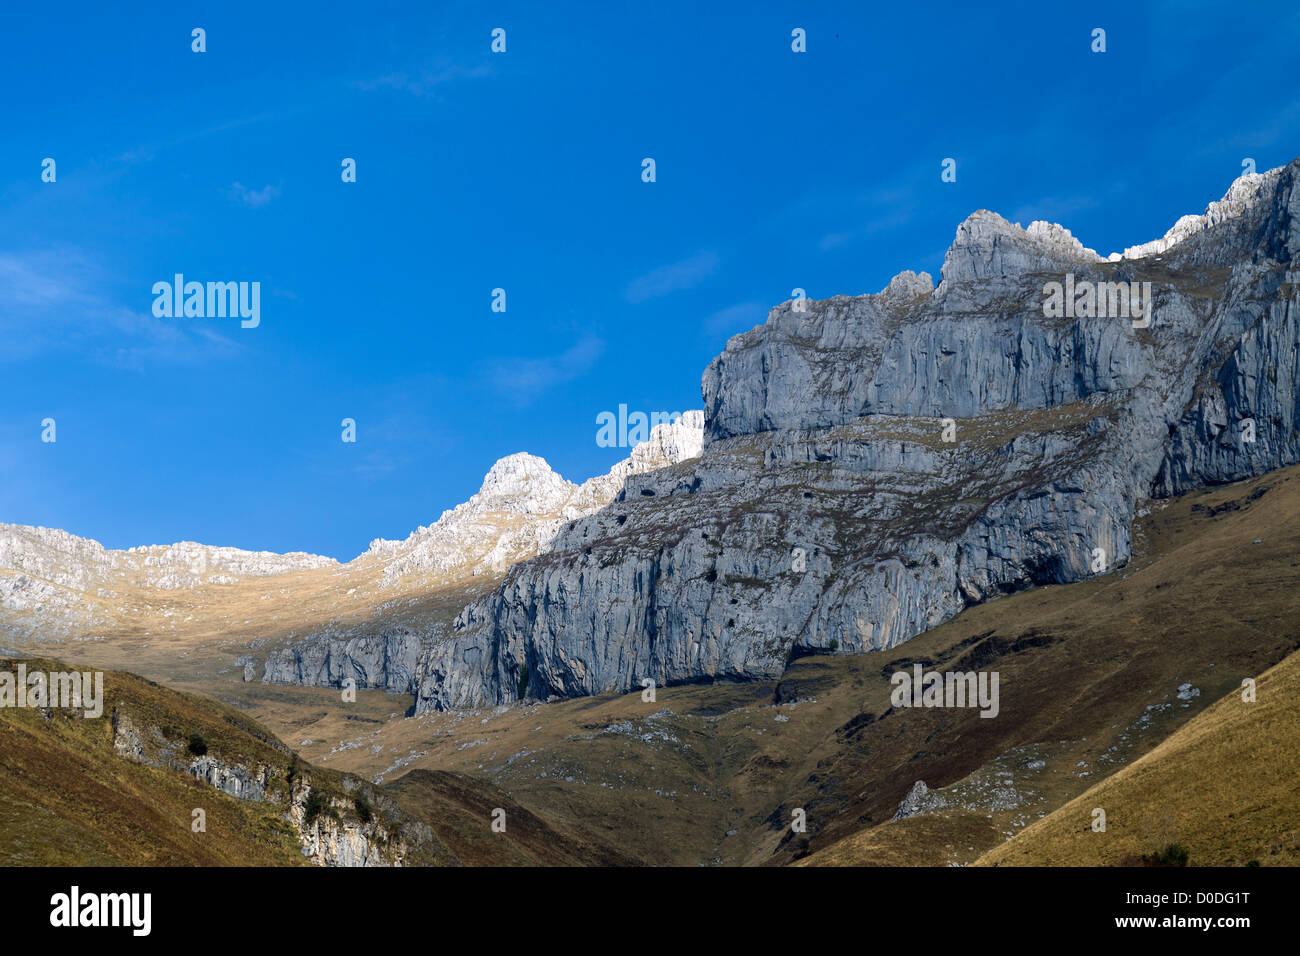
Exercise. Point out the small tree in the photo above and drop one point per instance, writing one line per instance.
(1175, 854)
(315, 806)
(363, 808)
(523, 682)
(198, 746)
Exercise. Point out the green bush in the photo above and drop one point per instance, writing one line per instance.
(198, 746)
(316, 805)
(363, 808)
(1175, 854)
(523, 682)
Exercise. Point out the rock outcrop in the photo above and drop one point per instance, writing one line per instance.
(333, 834)
(305, 619)
(874, 464)
(920, 799)
(517, 512)
(356, 827)
(51, 581)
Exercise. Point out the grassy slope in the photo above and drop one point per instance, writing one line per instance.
(710, 772)
(1226, 786)
(462, 809)
(67, 799)
(1213, 596)
(1090, 674)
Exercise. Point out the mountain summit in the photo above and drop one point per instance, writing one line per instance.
(874, 464)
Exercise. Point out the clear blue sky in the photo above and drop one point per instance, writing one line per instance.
(523, 171)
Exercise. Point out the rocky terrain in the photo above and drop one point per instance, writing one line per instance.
(52, 583)
(165, 778)
(867, 475)
(1097, 677)
(297, 618)
(874, 464)
(865, 467)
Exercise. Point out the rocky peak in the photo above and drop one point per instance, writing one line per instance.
(670, 443)
(473, 536)
(907, 285)
(987, 245)
(521, 508)
(1249, 194)
(523, 484)
(826, 443)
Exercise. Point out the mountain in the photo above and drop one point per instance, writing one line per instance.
(867, 475)
(162, 778)
(191, 610)
(517, 512)
(55, 585)
(1094, 676)
(1183, 791)
(865, 467)
(1098, 676)
(827, 512)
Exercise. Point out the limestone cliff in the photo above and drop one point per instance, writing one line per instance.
(873, 464)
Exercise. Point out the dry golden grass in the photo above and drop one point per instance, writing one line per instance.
(1212, 595)
(66, 799)
(930, 839)
(1226, 786)
(1089, 672)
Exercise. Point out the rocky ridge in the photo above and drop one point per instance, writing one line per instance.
(329, 828)
(46, 575)
(520, 508)
(306, 619)
(829, 512)
(864, 468)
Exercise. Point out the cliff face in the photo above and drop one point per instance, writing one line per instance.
(305, 619)
(54, 584)
(327, 823)
(873, 464)
(864, 468)
(519, 509)
(332, 834)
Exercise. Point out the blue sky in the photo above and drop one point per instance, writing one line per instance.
(522, 171)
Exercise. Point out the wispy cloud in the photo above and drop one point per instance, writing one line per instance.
(1057, 209)
(740, 317)
(43, 280)
(523, 379)
(881, 211)
(426, 81)
(254, 198)
(56, 300)
(686, 274)
(146, 152)
(137, 339)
